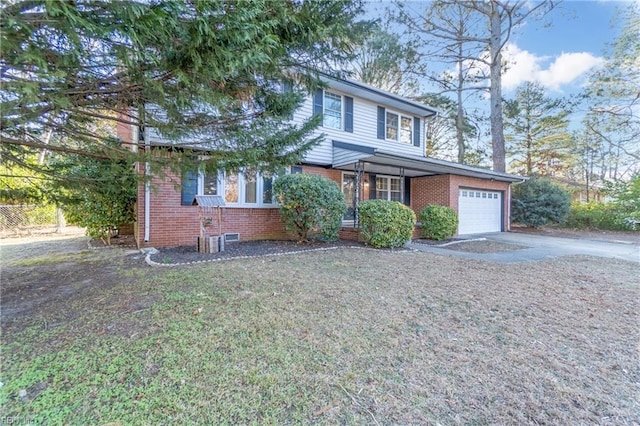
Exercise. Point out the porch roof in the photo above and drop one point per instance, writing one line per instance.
(346, 156)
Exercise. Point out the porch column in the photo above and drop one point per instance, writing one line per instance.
(358, 169)
(402, 185)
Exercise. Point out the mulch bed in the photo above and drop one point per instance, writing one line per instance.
(187, 254)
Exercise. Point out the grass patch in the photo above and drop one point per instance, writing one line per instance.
(342, 336)
(53, 259)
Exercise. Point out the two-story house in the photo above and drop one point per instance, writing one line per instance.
(374, 147)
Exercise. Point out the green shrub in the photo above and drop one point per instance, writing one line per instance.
(538, 202)
(311, 206)
(438, 222)
(386, 223)
(597, 215)
(104, 206)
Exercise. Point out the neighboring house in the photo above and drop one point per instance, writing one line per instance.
(580, 192)
(373, 148)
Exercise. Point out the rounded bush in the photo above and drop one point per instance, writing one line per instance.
(386, 224)
(311, 206)
(438, 222)
(538, 202)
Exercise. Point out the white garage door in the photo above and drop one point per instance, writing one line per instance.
(479, 211)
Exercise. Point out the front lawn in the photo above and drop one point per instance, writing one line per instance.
(347, 336)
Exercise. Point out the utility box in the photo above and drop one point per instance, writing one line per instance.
(209, 244)
(207, 204)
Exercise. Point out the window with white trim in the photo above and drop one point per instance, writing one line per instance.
(399, 127)
(388, 188)
(209, 184)
(245, 189)
(332, 111)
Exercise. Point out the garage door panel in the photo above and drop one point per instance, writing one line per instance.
(479, 211)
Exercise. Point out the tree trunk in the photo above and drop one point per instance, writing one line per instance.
(497, 126)
(459, 129)
(460, 111)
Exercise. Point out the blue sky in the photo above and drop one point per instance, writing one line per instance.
(558, 51)
(561, 55)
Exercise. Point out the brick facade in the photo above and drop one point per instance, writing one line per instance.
(172, 224)
(444, 190)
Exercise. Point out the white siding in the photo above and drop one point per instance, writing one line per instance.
(365, 125)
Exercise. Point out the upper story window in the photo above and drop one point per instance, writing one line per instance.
(336, 110)
(332, 113)
(399, 127)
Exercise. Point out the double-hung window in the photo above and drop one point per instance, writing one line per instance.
(332, 113)
(210, 184)
(336, 110)
(388, 188)
(399, 127)
(242, 189)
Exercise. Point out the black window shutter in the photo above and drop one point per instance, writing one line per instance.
(372, 186)
(416, 131)
(296, 169)
(407, 191)
(189, 188)
(317, 101)
(348, 114)
(381, 113)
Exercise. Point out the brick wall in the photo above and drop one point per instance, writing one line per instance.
(172, 224)
(444, 189)
(430, 190)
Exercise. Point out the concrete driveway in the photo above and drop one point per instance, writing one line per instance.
(542, 247)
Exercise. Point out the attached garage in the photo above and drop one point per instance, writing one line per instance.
(479, 211)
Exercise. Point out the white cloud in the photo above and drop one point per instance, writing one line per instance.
(550, 72)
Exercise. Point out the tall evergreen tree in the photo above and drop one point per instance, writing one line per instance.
(537, 132)
(205, 71)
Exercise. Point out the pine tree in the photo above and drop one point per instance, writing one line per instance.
(537, 132)
(205, 71)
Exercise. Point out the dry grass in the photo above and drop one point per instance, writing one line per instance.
(345, 336)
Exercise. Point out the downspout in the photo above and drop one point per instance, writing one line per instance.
(147, 181)
(147, 200)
